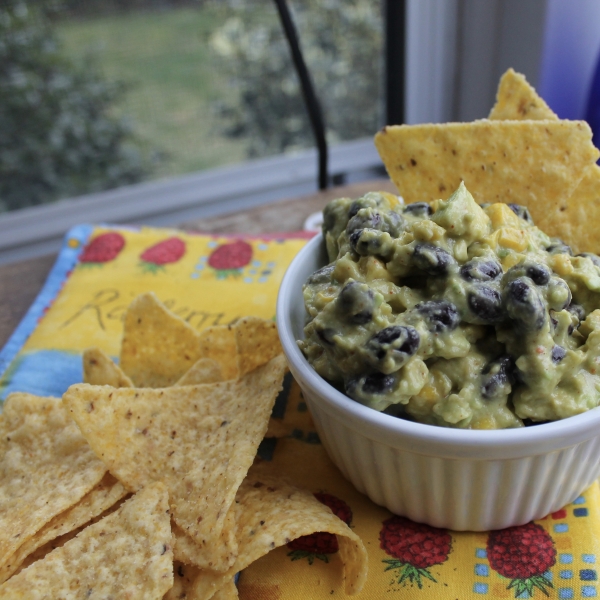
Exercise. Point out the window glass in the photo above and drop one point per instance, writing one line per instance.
(96, 94)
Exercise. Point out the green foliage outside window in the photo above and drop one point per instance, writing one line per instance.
(58, 136)
(342, 46)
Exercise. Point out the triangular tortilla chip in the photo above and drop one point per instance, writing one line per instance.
(58, 542)
(205, 370)
(517, 100)
(257, 342)
(576, 223)
(218, 343)
(158, 347)
(107, 493)
(199, 440)
(271, 513)
(46, 468)
(99, 369)
(126, 555)
(535, 163)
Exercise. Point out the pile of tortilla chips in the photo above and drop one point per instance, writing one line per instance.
(140, 483)
(522, 154)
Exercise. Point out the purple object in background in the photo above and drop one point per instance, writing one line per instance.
(571, 44)
(592, 113)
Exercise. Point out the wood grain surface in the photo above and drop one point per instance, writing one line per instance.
(20, 282)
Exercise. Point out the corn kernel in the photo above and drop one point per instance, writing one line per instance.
(502, 216)
(429, 393)
(561, 264)
(485, 423)
(391, 198)
(510, 260)
(515, 239)
(372, 269)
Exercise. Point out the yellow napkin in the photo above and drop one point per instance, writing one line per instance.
(409, 560)
(212, 280)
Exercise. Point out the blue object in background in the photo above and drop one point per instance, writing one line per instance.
(570, 52)
(592, 113)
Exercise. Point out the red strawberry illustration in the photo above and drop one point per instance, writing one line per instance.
(165, 252)
(320, 544)
(522, 554)
(415, 547)
(230, 259)
(103, 248)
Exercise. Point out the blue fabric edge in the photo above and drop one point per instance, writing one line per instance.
(65, 262)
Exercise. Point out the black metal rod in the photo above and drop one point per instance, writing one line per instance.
(395, 61)
(312, 104)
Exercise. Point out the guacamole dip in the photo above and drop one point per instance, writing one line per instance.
(454, 314)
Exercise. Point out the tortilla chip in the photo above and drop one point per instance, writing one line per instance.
(204, 370)
(107, 493)
(271, 513)
(125, 555)
(99, 369)
(227, 592)
(257, 342)
(61, 540)
(199, 440)
(158, 347)
(187, 551)
(218, 343)
(47, 468)
(185, 575)
(535, 163)
(577, 223)
(517, 100)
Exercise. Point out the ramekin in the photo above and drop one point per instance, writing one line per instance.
(450, 478)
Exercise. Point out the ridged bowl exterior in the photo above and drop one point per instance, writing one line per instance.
(455, 479)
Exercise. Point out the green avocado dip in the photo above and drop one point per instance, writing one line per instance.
(453, 314)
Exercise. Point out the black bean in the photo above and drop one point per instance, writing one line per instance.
(440, 315)
(558, 353)
(577, 310)
(559, 247)
(354, 208)
(521, 211)
(593, 257)
(524, 304)
(365, 202)
(431, 259)
(394, 223)
(326, 335)
(356, 303)
(323, 275)
(354, 238)
(531, 423)
(366, 242)
(397, 342)
(497, 376)
(418, 209)
(361, 388)
(364, 218)
(378, 383)
(539, 274)
(480, 270)
(486, 304)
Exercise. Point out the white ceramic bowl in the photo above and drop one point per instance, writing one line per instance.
(450, 478)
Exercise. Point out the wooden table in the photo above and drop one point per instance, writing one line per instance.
(20, 282)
